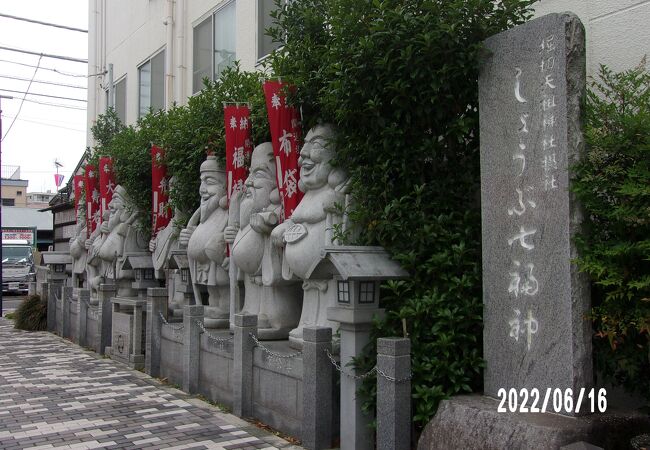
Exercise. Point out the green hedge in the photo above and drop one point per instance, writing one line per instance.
(613, 184)
(399, 78)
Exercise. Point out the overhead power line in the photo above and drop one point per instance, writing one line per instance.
(44, 82)
(22, 102)
(48, 124)
(48, 24)
(67, 74)
(44, 95)
(45, 55)
(57, 105)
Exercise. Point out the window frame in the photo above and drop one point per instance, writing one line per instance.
(210, 16)
(149, 61)
(115, 83)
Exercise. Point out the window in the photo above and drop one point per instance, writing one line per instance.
(343, 292)
(19, 193)
(214, 46)
(265, 44)
(366, 292)
(120, 99)
(8, 202)
(151, 79)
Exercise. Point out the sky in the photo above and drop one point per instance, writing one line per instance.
(42, 133)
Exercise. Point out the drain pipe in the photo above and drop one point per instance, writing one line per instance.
(169, 55)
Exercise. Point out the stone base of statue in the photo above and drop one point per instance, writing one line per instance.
(279, 311)
(473, 421)
(128, 331)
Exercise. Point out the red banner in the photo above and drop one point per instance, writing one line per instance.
(78, 187)
(106, 181)
(239, 146)
(160, 212)
(286, 135)
(93, 209)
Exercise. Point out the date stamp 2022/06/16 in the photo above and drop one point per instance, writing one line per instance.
(552, 400)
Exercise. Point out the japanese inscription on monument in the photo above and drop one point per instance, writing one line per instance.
(535, 301)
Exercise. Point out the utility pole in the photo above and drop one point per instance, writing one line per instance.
(9, 98)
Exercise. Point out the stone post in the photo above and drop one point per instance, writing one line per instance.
(356, 433)
(44, 290)
(106, 292)
(66, 298)
(156, 304)
(191, 346)
(32, 288)
(83, 299)
(393, 397)
(317, 388)
(243, 346)
(50, 290)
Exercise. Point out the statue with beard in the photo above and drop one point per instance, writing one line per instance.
(120, 237)
(274, 300)
(78, 249)
(161, 247)
(310, 226)
(94, 265)
(206, 247)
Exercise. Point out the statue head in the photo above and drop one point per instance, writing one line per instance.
(315, 159)
(117, 211)
(213, 185)
(261, 182)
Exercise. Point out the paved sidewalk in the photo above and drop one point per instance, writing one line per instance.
(53, 394)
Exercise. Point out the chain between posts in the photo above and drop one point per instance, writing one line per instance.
(164, 321)
(210, 336)
(272, 353)
(379, 372)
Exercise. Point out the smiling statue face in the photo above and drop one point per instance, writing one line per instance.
(211, 186)
(261, 180)
(115, 208)
(315, 158)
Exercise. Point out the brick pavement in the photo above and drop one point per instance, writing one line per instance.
(55, 395)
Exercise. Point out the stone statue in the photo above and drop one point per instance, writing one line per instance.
(311, 226)
(206, 247)
(275, 301)
(78, 249)
(94, 265)
(119, 236)
(161, 247)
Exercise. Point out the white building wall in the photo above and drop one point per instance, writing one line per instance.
(617, 31)
(126, 33)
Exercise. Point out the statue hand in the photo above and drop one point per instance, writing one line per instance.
(277, 235)
(184, 236)
(89, 243)
(259, 224)
(230, 233)
(152, 245)
(226, 264)
(104, 227)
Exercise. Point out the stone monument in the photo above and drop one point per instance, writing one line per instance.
(537, 338)
(274, 300)
(206, 246)
(311, 225)
(536, 333)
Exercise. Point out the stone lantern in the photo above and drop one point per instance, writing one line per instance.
(142, 266)
(181, 291)
(358, 271)
(57, 262)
